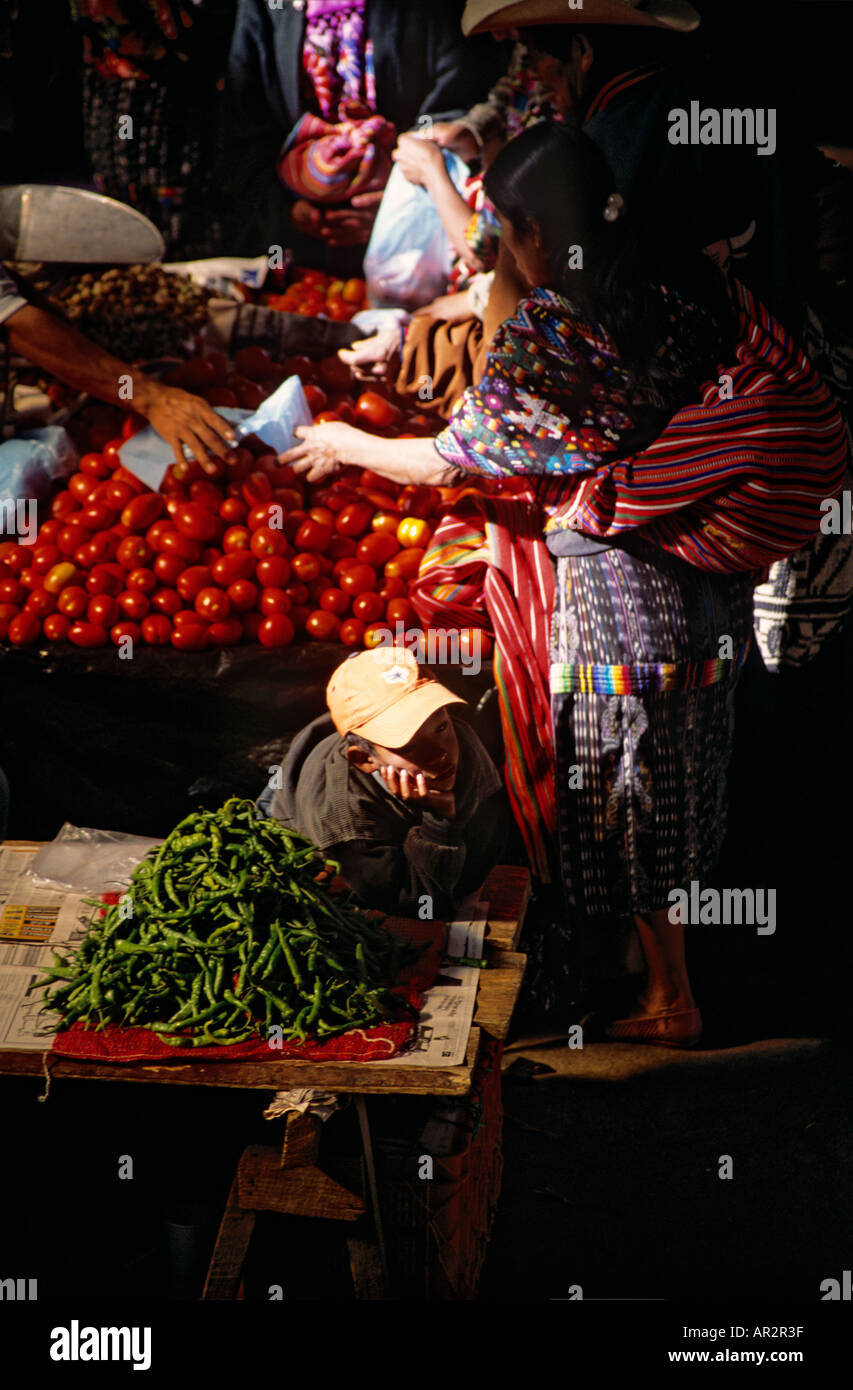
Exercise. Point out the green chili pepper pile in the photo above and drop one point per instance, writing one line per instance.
(223, 934)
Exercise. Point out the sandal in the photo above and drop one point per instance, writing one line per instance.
(677, 1028)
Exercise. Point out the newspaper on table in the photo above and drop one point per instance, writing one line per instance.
(441, 1037)
(34, 921)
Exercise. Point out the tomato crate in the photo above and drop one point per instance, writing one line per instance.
(437, 1228)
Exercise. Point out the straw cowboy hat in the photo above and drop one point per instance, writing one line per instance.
(482, 15)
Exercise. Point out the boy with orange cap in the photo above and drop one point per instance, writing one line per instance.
(403, 795)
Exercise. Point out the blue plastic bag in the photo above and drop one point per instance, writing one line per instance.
(410, 256)
(149, 457)
(29, 466)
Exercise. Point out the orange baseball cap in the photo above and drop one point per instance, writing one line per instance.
(383, 696)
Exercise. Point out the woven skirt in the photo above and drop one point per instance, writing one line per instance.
(646, 651)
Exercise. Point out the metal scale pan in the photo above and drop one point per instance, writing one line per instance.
(50, 223)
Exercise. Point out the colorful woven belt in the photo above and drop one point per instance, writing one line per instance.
(645, 677)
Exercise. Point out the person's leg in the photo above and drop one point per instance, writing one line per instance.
(667, 986)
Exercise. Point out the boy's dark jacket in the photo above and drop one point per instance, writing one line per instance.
(390, 851)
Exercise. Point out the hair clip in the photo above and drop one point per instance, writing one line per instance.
(613, 207)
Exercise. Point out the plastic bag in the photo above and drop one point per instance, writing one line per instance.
(149, 457)
(89, 861)
(29, 466)
(410, 256)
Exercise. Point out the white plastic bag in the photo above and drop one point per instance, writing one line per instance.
(89, 861)
(410, 256)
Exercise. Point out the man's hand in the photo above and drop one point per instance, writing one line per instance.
(325, 449)
(183, 419)
(452, 135)
(449, 308)
(414, 788)
(352, 224)
(306, 218)
(420, 160)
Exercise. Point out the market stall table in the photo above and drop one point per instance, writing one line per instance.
(290, 1181)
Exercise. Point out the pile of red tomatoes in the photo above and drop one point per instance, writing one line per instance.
(313, 293)
(253, 555)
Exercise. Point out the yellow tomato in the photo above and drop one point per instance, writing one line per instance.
(413, 531)
(404, 565)
(59, 575)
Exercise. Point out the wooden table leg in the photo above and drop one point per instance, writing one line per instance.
(230, 1250)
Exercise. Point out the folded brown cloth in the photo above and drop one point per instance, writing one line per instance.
(440, 360)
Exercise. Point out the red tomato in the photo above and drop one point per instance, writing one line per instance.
(44, 557)
(220, 395)
(17, 557)
(327, 417)
(421, 425)
(30, 579)
(106, 545)
(250, 395)
(297, 593)
(195, 521)
(233, 510)
(56, 627)
(358, 579)
(417, 501)
(123, 475)
(405, 565)
(174, 543)
(63, 505)
(312, 535)
(143, 581)
(104, 580)
(372, 409)
(266, 514)
(226, 633)
(273, 572)
(322, 626)
(134, 604)
(341, 548)
(352, 632)
(13, 591)
(236, 538)
(115, 494)
(40, 602)
(132, 425)
(155, 533)
(167, 568)
(274, 601)
(386, 523)
(275, 631)
(96, 517)
(302, 367)
(376, 548)
(207, 494)
(335, 601)
(95, 465)
(134, 552)
(337, 497)
(345, 563)
(268, 542)
(334, 374)
(400, 610)
(212, 604)
(243, 595)
(316, 398)
(71, 538)
(166, 601)
(103, 610)
(305, 567)
(257, 488)
(156, 630)
(293, 521)
(25, 629)
(474, 642)
(73, 601)
(191, 637)
(254, 362)
(229, 568)
(368, 607)
(252, 624)
(193, 581)
(142, 511)
(80, 485)
(120, 631)
(48, 532)
(87, 635)
(8, 611)
(355, 519)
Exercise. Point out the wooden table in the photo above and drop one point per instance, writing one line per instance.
(289, 1180)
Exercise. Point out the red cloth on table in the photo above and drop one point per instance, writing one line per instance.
(114, 1044)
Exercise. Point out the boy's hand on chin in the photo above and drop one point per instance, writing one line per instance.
(411, 787)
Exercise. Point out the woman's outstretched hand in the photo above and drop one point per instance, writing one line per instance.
(324, 449)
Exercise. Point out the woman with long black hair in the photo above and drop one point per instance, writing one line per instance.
(677, 441)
